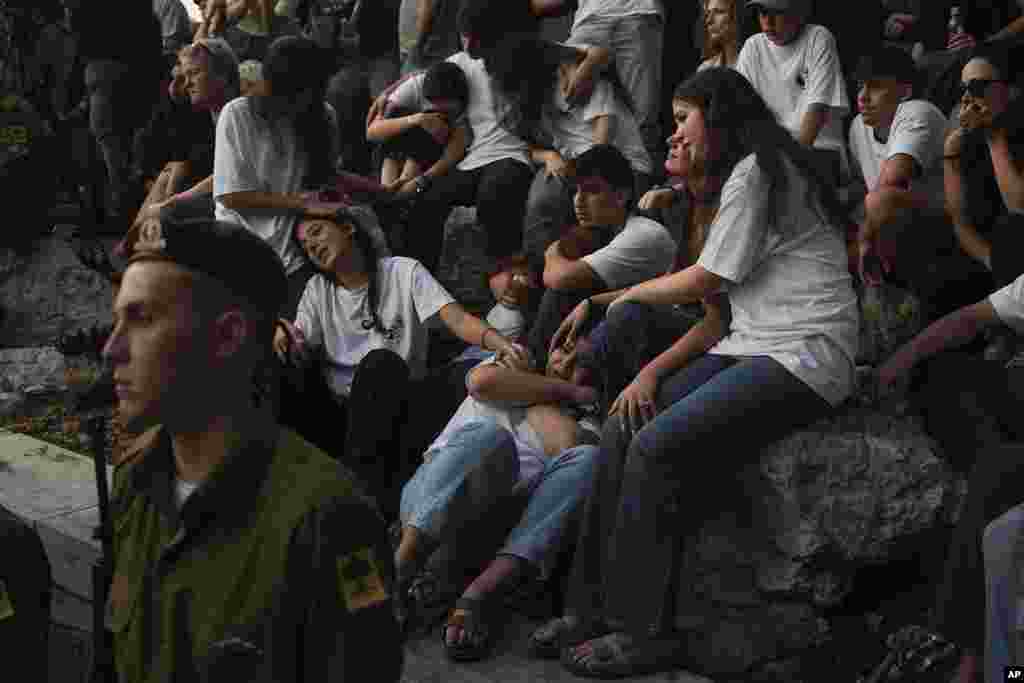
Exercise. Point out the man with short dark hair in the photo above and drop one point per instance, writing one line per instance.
(896, 149)
(640, 250)
(241, 552)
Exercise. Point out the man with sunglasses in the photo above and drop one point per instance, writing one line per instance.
(795, 67)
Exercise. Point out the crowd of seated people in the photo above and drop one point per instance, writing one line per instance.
(651, 307)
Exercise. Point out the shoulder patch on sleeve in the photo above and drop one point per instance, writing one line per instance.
(359, 579)
(6, 607)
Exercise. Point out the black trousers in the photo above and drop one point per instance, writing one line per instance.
(929, 261)
(630, 337)
(498, 190)
(972, 408)
(382, 427)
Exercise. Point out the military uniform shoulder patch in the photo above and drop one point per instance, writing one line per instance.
(6, 607)
(360, 581)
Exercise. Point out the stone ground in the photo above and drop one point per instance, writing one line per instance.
(427, 663)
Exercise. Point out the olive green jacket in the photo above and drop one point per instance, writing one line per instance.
(275, 569)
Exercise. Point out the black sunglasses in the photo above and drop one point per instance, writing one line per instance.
(977, 87)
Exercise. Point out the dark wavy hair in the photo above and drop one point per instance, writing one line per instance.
(371, 260)
(739, 124)
(295, 66)
(524, 70)
(979, 186)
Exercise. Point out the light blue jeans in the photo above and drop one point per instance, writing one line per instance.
(461, 486)
(1001, 586)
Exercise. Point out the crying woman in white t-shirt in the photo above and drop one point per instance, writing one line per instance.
(363, 319)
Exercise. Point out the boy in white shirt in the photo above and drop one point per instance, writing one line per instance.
(896, 148)
(795, 67)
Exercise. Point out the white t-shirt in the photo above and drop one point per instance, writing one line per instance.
(252, 156)
(792, 77)
(789, 286)
(918, 130)
(1009, 304)
(332, 317)
(407, 34)
(596, 10)
(490, 142)
(642, 250)
(573, 127)
(529, 446)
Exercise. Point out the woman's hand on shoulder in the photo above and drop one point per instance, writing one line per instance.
(511, 355)
(657, 199)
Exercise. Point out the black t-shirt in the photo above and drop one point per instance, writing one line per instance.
(177, 132)
(127, 31)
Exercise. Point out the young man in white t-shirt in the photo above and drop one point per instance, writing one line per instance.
(795, 67)
(642, 249)
(896, 149)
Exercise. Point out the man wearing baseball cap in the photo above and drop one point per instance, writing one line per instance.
(795, 67)
(896, 149)
(241, 552)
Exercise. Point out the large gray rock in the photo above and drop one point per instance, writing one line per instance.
(463, 266)
(821, 503)
(23, 368)
(47, 293)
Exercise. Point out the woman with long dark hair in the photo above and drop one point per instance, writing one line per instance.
(551, 109)
(708, 405)
(371, 398)
(269, 149)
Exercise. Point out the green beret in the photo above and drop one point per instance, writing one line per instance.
(240, 260)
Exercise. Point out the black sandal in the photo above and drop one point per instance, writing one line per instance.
(548, 641)
(429, 598)
(469, 614)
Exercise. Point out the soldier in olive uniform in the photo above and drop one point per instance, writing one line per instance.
(241, 552)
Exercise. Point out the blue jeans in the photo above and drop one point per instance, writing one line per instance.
(1001, 592)
(651, 491)
(630, 337)
(466, 484)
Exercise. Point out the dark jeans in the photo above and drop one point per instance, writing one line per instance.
(972, 407)
(927, 260)
(629, 338)
(498, 190)
(555, 305)
(296, 286)
(716, 414)
(1007, 249)
(383, 426)
(116, 108)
